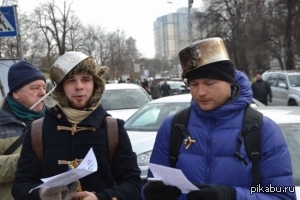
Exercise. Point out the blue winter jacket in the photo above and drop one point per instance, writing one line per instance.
(211, 159)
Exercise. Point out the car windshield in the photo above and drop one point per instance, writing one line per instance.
(124, 99)
(292, 137)
(150, 117)
(173, 85)
(294, 80)
(176, 85)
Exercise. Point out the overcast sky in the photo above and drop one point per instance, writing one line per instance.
(135, 17)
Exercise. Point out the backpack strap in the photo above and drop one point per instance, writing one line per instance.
(15, 145)
(252, 135)
(112, 137)
(178, 132)
(37, 138)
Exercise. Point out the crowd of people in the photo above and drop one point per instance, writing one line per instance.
(65, 133)
(150, 86)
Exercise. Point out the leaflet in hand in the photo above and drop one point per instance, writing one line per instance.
(172, 176)
(87, 166)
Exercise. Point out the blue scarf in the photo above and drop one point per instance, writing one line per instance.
(23, 113)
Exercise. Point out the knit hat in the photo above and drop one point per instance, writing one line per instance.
(207, 58)
(86, 66)
(22, 73)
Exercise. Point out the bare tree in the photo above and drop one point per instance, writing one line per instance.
(112, 47)
(232, 15)
(56, 24)
(75, 35)
(8, 2)
(102, 45)
(34, 43)
(121, 51)
(96, 44)
(254, 31)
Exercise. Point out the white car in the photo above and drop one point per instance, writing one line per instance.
(123, 99)
(142, 127)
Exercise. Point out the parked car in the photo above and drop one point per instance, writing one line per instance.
(285, 87)
(120, 100)
(177, 87)
(123, 99)
(161, 79)
(142, 127)
(256, 103)
(175, 79)
(112, 82)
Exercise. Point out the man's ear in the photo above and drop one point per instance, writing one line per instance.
(15, 94)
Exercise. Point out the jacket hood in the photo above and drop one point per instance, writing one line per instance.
(227, 111)
(87, 66)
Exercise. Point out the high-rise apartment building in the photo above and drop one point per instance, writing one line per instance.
(171, 33)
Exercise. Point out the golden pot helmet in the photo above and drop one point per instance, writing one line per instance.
(201, 53)
(64, 64)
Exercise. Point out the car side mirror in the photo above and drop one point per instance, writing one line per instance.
(282, 85)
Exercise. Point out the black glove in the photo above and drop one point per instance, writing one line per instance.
(270, 100)
(160, 191)
(215, 192)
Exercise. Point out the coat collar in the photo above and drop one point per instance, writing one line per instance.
(94, 119)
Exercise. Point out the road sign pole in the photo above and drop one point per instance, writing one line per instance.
(19, 34)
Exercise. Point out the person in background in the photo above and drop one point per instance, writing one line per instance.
(139, 82)
(154, 89)
(165, 89)
(71, 128)
(145, 84)
(208, 156)
(27, 85)
(121, 80)
(261, 90)
(129, 80)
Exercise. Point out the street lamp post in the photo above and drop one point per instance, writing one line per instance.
(190, 3)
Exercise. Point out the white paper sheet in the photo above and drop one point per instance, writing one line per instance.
(172, 176)
(87, 166)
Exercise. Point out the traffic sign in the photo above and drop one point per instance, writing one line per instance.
(8, 25)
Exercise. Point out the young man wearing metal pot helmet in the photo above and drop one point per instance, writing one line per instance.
(220, 96)
(70, 129)
(26, 85)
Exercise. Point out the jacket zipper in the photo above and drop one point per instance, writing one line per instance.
(208, 154)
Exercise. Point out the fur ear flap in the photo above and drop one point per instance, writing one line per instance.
(102, 70)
